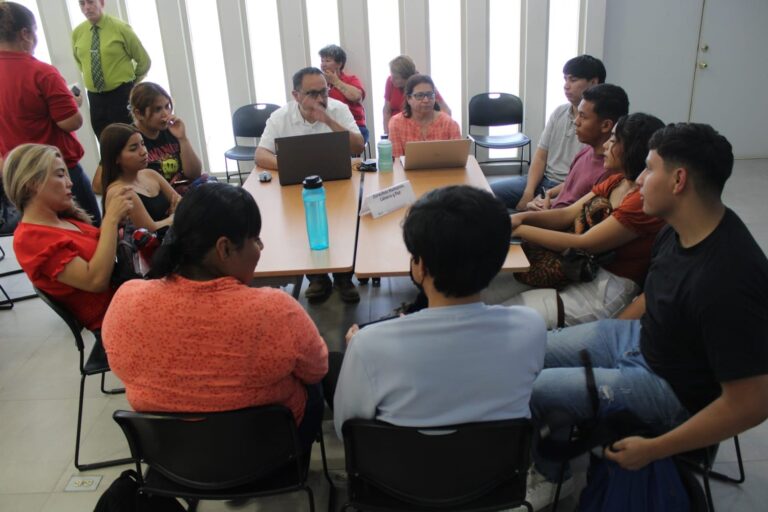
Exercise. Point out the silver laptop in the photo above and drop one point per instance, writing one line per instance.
(323, 154)
(436, 154)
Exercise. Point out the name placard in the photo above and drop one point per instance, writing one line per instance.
(388, 200)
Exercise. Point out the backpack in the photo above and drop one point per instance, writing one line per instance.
(662, 485)
(123, 496)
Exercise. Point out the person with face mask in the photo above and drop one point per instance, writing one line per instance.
(458, 360)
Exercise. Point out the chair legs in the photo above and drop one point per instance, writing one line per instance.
(95, 465)
(331, 487)
(707, 472)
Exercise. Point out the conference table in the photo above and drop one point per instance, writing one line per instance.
(371, 247)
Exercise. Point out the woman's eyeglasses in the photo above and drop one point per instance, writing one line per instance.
(420, 96)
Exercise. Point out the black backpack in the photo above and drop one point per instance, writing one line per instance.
(122, 496)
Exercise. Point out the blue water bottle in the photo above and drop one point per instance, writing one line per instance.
(384, 149)
(314, 209)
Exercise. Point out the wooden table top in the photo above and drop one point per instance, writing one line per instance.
(284, 233)
(380, 247)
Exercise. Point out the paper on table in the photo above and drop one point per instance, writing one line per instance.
(388, 200)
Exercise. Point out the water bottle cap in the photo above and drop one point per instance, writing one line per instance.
(385, 137)
(313, 181)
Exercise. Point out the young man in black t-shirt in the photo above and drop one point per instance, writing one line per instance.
(693, 364)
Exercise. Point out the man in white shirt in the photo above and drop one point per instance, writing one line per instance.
(558, 144)
(312, 111)
(458, 360)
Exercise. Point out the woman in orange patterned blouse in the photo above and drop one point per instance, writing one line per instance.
(198, 338)
(421, 118)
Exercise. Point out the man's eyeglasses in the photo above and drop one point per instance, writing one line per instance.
(319, 93)
(419, 96)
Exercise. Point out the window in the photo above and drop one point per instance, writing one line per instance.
(384, 34)
(266, 57)
(323, 27)
(504, 60)
(445, 52)
(142, 16)
(41, 50)
(205, 37)
(563, 44)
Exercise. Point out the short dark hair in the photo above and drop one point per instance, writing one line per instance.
(13, 19)
(608, 101)
(298, 76)
(205, 214)
(144, 94)
(585, 66)
(334, 52)
(633, 133)
(461, 234)
(701, 150)
(411, 84)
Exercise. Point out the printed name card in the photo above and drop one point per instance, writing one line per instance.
(388, 200)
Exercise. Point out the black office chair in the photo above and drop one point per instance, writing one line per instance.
(702, 461)
(95, 364)
(8, 301)
(498, 109)
(247, 121)
(247, 453)
(469, 467)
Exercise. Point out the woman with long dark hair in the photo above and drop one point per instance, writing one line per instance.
(197, 338)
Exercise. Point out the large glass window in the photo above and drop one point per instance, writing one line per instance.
(266, 57)
(142, 16)
(41, 50)
(384, 34)
(563, 44)
(504, 60)
(445, 52)
(323, 27)
(210, 78)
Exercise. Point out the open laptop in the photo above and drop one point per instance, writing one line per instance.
(323, 154)
(435, 154)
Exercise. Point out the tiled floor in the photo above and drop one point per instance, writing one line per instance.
(39, 386)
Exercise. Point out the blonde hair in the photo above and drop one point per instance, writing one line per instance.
(402, 65)
(26, 169)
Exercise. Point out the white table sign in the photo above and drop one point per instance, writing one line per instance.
(388, 200)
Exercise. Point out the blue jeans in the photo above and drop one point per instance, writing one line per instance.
(511, 190)
(622, 376)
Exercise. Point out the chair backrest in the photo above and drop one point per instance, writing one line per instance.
(211, 451)
(438, 467)
(72, 322)
(495, 109)
(250, 120)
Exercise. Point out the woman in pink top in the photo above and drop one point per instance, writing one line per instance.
(197, 338)
(421, 119)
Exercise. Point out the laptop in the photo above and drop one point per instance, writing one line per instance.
(435, 154)
(323, 154)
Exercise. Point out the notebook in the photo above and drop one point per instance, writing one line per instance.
(323, 154)
(435, 154)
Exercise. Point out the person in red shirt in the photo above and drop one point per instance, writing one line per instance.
(55, 243)
(35, 102)
(346, 88)
(172, 354)
(627, 231)
(401, 68)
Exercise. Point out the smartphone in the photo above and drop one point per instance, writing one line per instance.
(75, 90)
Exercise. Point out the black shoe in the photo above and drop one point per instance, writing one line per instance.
(347, 290)
(319, 289)
(364, 280)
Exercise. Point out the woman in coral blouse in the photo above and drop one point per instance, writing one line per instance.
(55, 243)
(421, 119)
(401, 68)
(258, 347)
(627, 231)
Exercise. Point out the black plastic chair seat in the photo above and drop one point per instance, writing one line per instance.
(241, 153)
(514, 140)
(97, 360)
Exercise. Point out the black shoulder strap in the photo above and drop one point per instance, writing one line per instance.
(586, 360)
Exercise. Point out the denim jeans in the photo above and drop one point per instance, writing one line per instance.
(511, 190)
(622, 376)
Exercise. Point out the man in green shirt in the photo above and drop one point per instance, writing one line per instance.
(112, 59)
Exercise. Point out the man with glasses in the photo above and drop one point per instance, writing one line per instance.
(310, 112)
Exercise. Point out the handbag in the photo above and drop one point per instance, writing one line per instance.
(126, 257)
(554, 269)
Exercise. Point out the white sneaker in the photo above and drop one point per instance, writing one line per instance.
(541, 492)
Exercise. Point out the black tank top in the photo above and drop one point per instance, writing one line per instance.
(157, 206)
